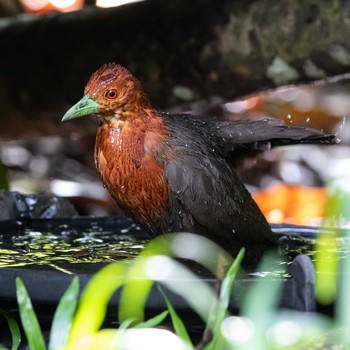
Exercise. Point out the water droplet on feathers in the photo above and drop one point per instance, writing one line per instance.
(111, 139)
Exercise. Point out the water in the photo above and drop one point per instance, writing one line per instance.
(70, 245)
(61, 244)
(41, 250)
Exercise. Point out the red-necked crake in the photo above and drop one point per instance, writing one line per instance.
(175, 172)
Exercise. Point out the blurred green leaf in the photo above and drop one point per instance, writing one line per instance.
(299, 330)
(265, 288)
(154, 321)
(182, 281)
(131, 338)
(29, 320)
(63, 317)
(134, 293)
(343, 301)
(326, 265)
(14, 329)
(93, 304)
(125, 325)
(180, 245)
(105, 339)
(219, 312)
(326, 250)
(261, 301)
(179, 327)
(227, 284)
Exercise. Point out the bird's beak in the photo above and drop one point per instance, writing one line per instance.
(85, 106)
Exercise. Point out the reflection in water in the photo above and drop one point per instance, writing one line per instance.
(71, 245)
(64, 245)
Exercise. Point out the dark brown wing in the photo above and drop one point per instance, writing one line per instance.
(249, 136)
(206, 195)
(208, 198)
(234, 138)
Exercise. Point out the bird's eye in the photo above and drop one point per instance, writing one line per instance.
(111, 94)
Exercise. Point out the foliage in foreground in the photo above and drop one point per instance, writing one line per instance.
(260, 325)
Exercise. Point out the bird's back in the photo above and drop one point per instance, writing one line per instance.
(206, 189)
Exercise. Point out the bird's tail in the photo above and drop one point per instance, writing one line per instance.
(252, 136)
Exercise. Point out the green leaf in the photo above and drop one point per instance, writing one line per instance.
(106, 339)
(29, 320)
(93, 304)
(227, 284)
(326, 265)
(134, 293)
(343, 301)
(262, 299)
(154, 321)
(137, 287)
(220, 310)
(14, 328)
(327, 244)
(63, 317)
(179, 327)
(125, 325)
(182, 281)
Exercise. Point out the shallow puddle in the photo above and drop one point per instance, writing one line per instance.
(62, 244)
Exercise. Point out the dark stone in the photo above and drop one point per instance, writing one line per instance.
(14, 206)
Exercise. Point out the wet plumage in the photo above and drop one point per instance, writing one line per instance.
(175, 172)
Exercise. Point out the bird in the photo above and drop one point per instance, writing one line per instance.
(174, 172)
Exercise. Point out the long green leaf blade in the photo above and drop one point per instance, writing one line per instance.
(29, 320)
(137, 288)
(154, 321)
(63, 317)
(179, 327)
(14, 329)
(182, 281)
(134, 294)
(220, 310)
(262, 300)
(343, 302)
(93, 305)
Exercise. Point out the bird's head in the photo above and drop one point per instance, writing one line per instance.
(111, 91)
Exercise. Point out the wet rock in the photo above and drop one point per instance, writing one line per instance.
(14, 205)
(299, 291)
